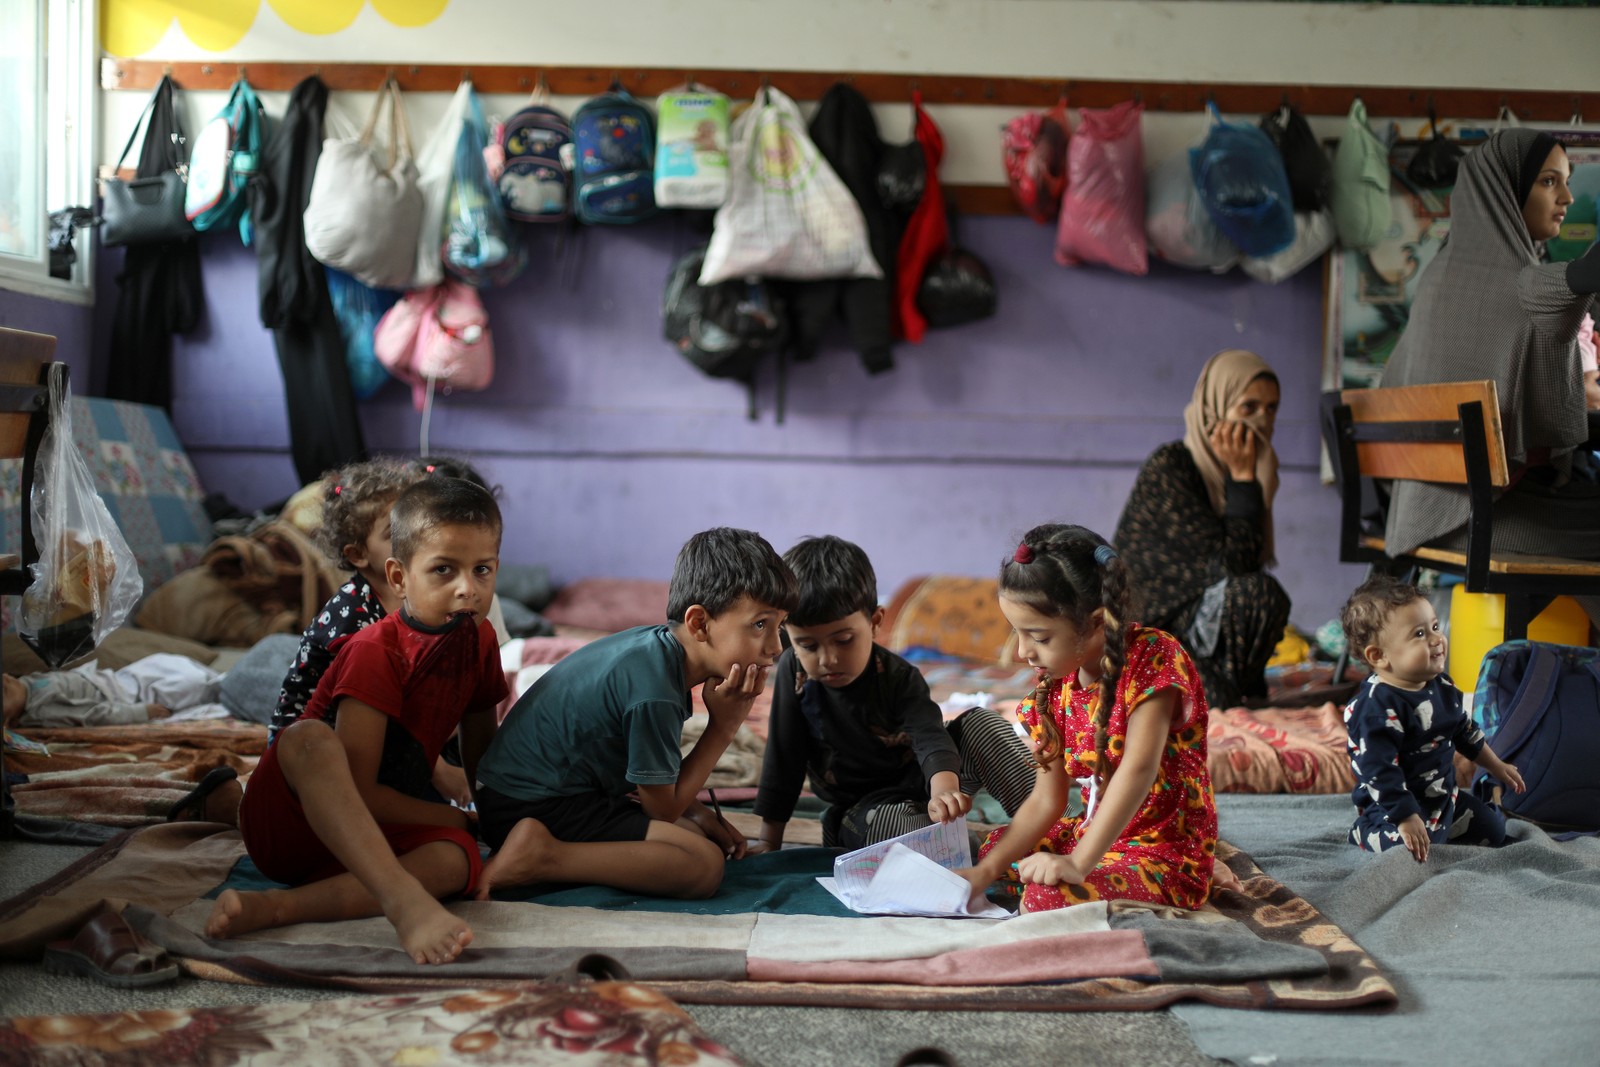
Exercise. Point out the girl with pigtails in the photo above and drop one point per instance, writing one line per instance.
(1120, 711)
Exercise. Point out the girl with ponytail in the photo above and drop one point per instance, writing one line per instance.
(1119, 711)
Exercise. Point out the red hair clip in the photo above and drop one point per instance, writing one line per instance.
(338, 489)
(1023, 554)
(430, 468)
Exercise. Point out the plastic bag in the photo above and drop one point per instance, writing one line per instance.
(1102, 213)
(479, 245)
(358, 308)
(1313, 235)
(1240, 178)
(957, 289)
(788, 215)
(1304, 161)
(86, 580)
(1178, 225)
(1360, 201)
(1034, 150)
(902, 175)
(1437, 160)
(435, 171)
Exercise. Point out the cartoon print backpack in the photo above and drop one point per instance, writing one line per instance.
(614, 137)
(1539, 707)
(536, 183)
(225, 157)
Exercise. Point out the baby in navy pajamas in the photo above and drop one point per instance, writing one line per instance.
(1405, 725)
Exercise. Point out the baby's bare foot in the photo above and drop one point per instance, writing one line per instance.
(238, 913)
(522, 860)
(427, 930)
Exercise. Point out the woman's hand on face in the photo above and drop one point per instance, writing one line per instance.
(1235, 445)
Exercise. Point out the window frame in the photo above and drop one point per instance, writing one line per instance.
(67, 110)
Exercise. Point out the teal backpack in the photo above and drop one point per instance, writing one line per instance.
(224, 158)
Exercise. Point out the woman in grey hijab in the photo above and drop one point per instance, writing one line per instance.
(1487, 307)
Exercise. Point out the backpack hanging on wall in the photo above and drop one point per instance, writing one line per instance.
(614, 137)
(726, 329)
(224, 158)
(1539, 707)
(536, 183)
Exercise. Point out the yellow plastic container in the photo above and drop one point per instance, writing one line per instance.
(1478, 623)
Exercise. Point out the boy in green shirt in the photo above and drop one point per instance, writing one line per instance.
(556, 790)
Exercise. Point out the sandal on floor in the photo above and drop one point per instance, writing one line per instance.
(195, 800)
(108, 950)
(926, 1057)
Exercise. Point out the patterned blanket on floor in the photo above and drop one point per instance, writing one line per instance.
(771, 935)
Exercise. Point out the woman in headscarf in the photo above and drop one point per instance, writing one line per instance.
(1197, 529)
(1487, 307)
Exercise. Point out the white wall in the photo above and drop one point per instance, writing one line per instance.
(1166, 40)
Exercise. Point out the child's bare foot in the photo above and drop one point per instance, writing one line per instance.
(523, 858)
(238, 913)
(427, 930)
(1222, 877)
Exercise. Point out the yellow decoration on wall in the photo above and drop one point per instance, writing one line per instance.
(134, 27)
(410, 12)
(318, 16)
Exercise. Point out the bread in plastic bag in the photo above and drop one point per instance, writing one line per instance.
(1102, 213)
(86, 580)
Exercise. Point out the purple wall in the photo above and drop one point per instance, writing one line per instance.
(612, 449)
(71, 324)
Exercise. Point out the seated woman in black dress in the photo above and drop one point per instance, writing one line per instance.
(1197, 529)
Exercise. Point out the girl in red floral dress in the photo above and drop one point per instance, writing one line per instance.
(1120, 711)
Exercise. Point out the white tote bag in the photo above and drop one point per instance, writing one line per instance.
(788, 215)
(436, 169)
(363, 214)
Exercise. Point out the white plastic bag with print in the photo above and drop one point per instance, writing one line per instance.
(788, 215)
(86, 580)
(435, 173)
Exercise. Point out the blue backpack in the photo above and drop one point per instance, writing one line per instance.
(223, 159)
(1539, 705)
(536, 184)
(614, 169)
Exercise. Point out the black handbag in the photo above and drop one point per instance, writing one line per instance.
(147, 210)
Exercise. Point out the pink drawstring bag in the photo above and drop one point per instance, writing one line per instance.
(1102, 213)
(437, 337)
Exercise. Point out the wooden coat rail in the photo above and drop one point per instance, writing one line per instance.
(1018, 93)
(1233, 98)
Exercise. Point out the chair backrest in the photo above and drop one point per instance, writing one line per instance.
(1427, 442)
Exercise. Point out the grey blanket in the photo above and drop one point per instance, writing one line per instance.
(1495, 952)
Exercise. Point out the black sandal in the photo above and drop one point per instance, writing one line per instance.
(195, 799)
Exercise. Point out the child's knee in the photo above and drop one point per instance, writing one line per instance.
(709, 866)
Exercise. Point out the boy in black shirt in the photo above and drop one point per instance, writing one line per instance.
(860, 721)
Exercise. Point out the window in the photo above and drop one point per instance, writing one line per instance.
(47, 99)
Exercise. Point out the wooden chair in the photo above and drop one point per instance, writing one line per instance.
(1448, 434)
(25, 365)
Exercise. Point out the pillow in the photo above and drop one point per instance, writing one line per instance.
(250, 688)
(609, 604)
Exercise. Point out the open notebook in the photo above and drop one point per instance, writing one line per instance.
(913, 874)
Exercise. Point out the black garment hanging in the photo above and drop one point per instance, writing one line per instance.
(324, 425)
(159, 291)
(846, 134)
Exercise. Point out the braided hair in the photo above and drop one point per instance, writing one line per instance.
(1067, 572)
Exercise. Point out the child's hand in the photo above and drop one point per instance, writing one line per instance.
(451, 782)
(760, 848)
(720, 832)
(156, 711)
(1048, 869)
(729, 701)
(1510, 776)
(949, 805)
(1415, 836)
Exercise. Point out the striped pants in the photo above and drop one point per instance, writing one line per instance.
(993, 757)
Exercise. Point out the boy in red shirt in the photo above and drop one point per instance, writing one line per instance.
(340, 807)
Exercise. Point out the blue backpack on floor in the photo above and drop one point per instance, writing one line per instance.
(1539, 706)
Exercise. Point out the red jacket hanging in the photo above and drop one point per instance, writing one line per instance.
(927, 233)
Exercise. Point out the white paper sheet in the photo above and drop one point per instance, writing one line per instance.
(911, 875)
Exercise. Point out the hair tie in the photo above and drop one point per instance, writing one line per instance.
(1104, 554)
(1023, 554)
(429, 468)
(338, 489)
